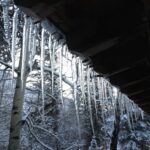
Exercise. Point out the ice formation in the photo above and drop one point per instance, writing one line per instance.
(87, 87)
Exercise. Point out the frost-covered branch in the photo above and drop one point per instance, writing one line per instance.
(75, 145)
(7, 65)
(39, 90)
(63, 78)
(57, 74)
(37, 139)
(39, 127)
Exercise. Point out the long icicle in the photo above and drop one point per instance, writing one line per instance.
(100, 91)
(94, 94)
(33, 45)
(24, 50)
(74, 77)
(127, 111)
(50, 49)
(42, 68)
(14, 35)
(60, 74)
(53, 64)
(103, 99)
(30, 44)
(5, 6)
(89, 99)
(82, 81)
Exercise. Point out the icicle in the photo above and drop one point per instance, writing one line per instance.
(110, 91)
(100, 91)
(72, 68)
(30, 44)
(135, 112)
(14, 35)
(81, 81)
(60, 74)
(69, 59)
(74, 77)
(53, 64)
(50, 49)
(89, 99)
(106, 96)
(80, 76)
(33, 53)
(94, 94)
(110, 97)
(127, 111)
(121, 106)
(124, 104)
(141, 113)
(131, 113)
(104, 100)
(5, 6)
(42, 68)
(103, 91)
(24, 50)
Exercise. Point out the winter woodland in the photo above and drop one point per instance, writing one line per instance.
(52, 99)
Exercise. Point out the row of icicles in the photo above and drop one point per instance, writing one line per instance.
(87, 86)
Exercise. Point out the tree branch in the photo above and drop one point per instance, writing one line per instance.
(38, 127)
(75, 145)
(8, 66)
(37, 139)
(39, 90)
(63, 78)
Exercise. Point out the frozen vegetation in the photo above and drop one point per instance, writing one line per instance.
(51, 98)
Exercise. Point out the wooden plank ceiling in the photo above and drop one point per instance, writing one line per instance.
(114, 34)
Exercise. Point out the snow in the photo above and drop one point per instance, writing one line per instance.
(85, 88)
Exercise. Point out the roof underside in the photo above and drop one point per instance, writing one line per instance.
(114, 34)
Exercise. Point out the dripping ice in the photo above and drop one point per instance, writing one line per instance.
(14, 32)
(42, 67)
(5, 7)
(83, 77)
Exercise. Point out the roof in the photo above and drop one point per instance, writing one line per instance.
(114, 34)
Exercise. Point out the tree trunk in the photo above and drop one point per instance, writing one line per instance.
(16, 115)
(17, 109)
(2, 87)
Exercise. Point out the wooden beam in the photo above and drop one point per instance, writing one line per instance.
(101, 47)
(142, 99)
(116, 72)
(136, 87)
(138, 92)
(135, 82)
(41, 9)
(147, 5)
(131, 75)
(139, 96)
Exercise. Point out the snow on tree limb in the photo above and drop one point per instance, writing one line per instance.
(36, 137)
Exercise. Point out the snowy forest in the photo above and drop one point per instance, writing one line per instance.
(52, 99)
